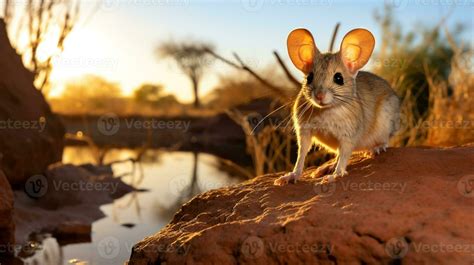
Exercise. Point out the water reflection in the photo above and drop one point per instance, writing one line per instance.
(165, 181)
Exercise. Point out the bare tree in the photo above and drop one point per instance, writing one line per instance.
(192, 58)
(41, 21)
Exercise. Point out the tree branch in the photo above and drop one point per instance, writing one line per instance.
(280, 91)
(334, 35)
(222, 59)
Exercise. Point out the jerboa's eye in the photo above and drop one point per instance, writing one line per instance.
(309, 78)
(338, 79)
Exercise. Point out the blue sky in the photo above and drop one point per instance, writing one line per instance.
(117, 38)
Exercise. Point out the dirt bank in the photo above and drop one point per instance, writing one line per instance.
(409, 205)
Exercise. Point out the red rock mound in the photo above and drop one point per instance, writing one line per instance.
(31, 136)
(410, 206)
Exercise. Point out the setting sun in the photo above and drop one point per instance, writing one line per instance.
(236, 132)
(105, 44)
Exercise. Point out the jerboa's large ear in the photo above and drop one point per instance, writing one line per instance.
(302, 49)
(356, 48)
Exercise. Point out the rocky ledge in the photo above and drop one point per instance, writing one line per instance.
(7, 226)
(409, 205)
(65, 201)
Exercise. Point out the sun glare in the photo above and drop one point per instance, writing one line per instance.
(82, 55)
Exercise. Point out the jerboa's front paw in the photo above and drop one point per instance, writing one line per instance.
(291, 177)
(333, 177)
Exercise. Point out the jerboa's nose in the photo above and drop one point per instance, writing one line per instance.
(319, 95)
